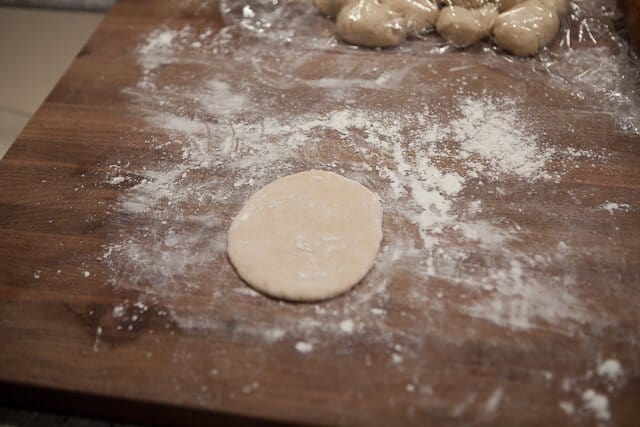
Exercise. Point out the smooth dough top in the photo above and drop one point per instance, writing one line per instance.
(306, 237)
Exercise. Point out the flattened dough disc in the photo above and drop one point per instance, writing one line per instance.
(306, 237)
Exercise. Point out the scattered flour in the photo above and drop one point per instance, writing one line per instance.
(567, 407)
(117, 180)
(403, 149)
(246, 291)
(218, 139)
(118, 311)
(611, 207)
(597, 403)
(610, 369)
(494, 400)
(158, 49)
(249, 388)
(347, 326)
(500, 137)
(396, 358)
(444, 167)
(304, 347)
(96, 341)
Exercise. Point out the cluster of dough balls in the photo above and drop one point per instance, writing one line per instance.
(517, 26)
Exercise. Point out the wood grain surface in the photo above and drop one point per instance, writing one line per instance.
(631, 10)
(429, 362)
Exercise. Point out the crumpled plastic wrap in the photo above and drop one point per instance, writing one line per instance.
(590, 59)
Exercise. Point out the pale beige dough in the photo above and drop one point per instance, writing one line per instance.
(526, 28)
(330, 7)
(370, 23)
(306, 237)
(462, 26)
(558, 6)
(418, 16)
(508, 4)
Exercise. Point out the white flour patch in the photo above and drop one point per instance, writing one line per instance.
(484, 232)
(204, 322)
(567, 407)
(157, 48)
(304, 347)
(246, 291)
(612, 207)
(597, 403)
(249, 388)
(610, 369)
(499, 136)
(347, 326)
(396, 358)
(117, 180)
(494, 400)
(118, 311)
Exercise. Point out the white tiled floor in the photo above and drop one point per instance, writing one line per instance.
(36, 46)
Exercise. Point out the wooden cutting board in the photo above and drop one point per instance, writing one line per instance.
(507, 290)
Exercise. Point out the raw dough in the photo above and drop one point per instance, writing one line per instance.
(418, 15)
(526, 28)
(463, 27)
(330, 7)
(558, 6)
(306, 237)
(523, 28)
(509, 4)
(370, 23)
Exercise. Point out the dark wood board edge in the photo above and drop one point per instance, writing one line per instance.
(631, 11)
(38, 398)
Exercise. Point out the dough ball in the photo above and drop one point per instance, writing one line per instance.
(525, 28)
(330, 7)
(370, 23)
(508, 4)
(558, 6)
(418, 15)
(306, 237)
(463, 27)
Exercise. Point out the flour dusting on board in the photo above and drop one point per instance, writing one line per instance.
(442, 166)
(224, 139)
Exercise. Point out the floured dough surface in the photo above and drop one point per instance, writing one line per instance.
(306, 237)
(462, 26)
(370, 23)
(521, 27)
(525, 28)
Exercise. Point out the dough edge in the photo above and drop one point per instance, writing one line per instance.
(252, 278)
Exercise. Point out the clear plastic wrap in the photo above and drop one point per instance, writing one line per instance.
(590, 58)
